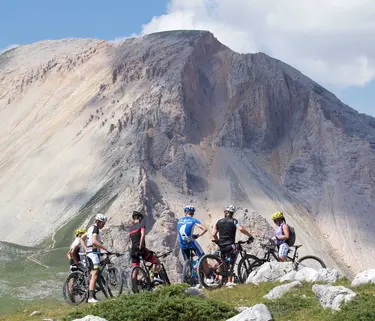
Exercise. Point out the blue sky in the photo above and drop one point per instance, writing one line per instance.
(27, 21)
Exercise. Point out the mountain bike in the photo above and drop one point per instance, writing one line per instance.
(214, 270)
(110, 280)
(190, 269)
(311, 261)
(142, 277)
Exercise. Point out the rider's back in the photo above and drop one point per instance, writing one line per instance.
(185, 227)
(227, 227)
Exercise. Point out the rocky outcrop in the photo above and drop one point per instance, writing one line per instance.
(258, 312)
(364, 277)
(280, 290)
(173, 118)
(333, 296)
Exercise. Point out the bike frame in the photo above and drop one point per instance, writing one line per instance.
(275, 254)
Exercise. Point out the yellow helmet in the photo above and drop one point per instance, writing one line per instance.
(79, 231)
(277, 215)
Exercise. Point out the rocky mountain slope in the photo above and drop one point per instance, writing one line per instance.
(173, 118)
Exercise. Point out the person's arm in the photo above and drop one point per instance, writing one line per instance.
(243, 230)
(285, 235)
(203, 228)
(68, 254)
(141, 242)
(214, 233)
(83, 241)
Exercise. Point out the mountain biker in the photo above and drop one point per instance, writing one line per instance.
(137, 235)
(74, 249)
(227, 228)
(281, 235)
(185, 228)
(93, 247)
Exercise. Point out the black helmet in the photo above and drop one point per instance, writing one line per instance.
(137, 214)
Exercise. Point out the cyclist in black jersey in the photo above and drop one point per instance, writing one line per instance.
(137, 233)
(227, 227)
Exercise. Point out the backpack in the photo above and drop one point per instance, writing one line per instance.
(292, 236)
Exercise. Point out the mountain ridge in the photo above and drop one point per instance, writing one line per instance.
(173, 118)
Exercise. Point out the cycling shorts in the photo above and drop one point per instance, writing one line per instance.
(283, 250)
(194, 245)
(148, 256)
(94, 260)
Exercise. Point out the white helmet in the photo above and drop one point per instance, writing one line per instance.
(100, 217)
(230, 208)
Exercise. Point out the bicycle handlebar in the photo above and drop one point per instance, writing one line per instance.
(239, 242)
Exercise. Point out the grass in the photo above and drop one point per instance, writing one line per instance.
(171, 303)
(300, 304)
(23, 280)
(49, 310)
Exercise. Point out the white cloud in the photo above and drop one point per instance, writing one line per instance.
(8, 48)
(330, 41)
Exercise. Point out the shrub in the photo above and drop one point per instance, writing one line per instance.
(168, 304)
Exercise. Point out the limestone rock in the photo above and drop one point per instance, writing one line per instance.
(332, 296)
(269, 272)
(364, 277)
(258, 312)
(280, 290)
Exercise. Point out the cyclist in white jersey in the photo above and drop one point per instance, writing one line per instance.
(93, 247)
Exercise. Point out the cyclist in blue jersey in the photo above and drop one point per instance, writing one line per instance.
(185, 227)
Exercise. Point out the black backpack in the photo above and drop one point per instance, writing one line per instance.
(292, 236)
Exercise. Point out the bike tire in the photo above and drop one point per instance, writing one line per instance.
(80, 284)
(117, 283)
(164, 275)
(319, 261)
(103, 285)
(202, 275)
(246, 265)
(146, 282)
(186, 275)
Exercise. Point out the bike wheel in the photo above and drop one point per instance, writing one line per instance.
(210, 272)
(310, 261)
(246, 266)
(139, 280)
(75, 288)
(102, 283)
(187, 276)
(115, 281)
(164, 276)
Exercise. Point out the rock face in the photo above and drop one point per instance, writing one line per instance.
(173, 118)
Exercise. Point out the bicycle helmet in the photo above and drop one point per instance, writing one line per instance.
(79, 231)
(137, 214)
(277, 215)
(100, 217)
(230, 209)
(189, 208)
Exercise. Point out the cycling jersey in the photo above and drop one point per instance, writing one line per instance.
(227, 227)
(135, 254)
(93, 230)
(135, 234)
(185, 227)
